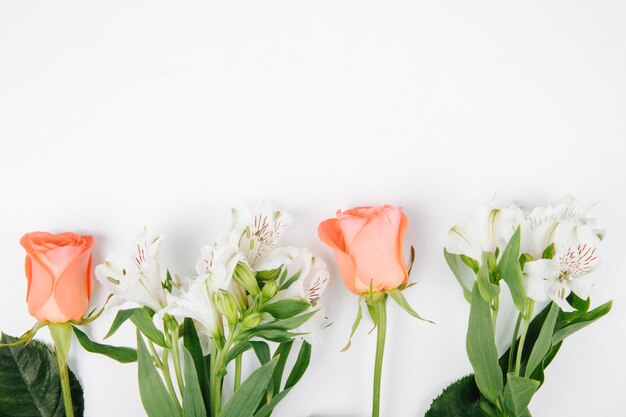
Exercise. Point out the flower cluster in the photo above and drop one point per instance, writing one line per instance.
(246, 289)
(237, 267)
(558, 244)
(544, 254)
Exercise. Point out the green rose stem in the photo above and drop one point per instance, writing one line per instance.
(62, 336)
(378, 312)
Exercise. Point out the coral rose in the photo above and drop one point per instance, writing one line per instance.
(58, 269)
(368, 245)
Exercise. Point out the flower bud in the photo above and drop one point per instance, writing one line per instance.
(241, 297)
(226, 304)
(269, 291)
(244, 277)
(251, 320)
(269, 275)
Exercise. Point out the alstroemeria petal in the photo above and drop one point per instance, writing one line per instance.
(275, 258)
(583, 285)
(539, 277)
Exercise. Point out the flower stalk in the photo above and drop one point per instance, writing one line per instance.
(65, 385)
(379, 316)
(62, 336)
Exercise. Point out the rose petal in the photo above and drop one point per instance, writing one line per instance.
(72, 288)
(376, 252)
(330, 234)
(350, 227)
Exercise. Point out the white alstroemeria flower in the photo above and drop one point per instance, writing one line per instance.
(138, 280)
(570, 270)
(541, 225)
(215, 270)
(257, 235)
(313, 277)
(488, 228)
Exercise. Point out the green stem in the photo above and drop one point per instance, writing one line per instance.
(176, 360)
(381, 325)
(215, 384)
(165, 367)
(494, 313)
(65, 385)
(512, 348)
(530, 306)
(237, 372)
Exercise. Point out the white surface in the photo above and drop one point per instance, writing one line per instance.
(120, 114)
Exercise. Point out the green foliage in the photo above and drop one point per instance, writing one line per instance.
(245, 400)
(30, 382)
(481, 348)
(143, 321)
(286, 308)
(120, 354)
(487, 283)
(154, 396)
(355, 325)
(543, 340)
(518, 393)
(399, 298)
(191, 342)
(510, 270)
(459, 269)
(120, 318)
(193, 402)
(459, 399)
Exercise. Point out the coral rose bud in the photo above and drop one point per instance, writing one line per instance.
(368, 245)
(58, 270)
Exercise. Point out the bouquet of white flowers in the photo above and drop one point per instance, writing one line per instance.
(248, 294)
(548, 255)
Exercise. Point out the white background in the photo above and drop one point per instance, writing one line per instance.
(120, 114)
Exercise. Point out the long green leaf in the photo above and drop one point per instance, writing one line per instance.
(481, 348)
(262, 351)
(120, 354)
(461, 273)
(518, 393)
(301, 365)
(267, 408)
(120, 318)
(154, 396)
(245, 400)
(511, 271)
(142, 320)
(287, 308)
(191, 341)
(193, 402)
(582, 321)
(236, 350)
(283, 353)
(544, 341)
(30, 384)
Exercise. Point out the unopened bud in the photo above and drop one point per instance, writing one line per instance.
(269, 291)
(244, 277)
(251, 320)
(269, 275)
(226, 304)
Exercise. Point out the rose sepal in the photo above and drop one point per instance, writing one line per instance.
(27, 336)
